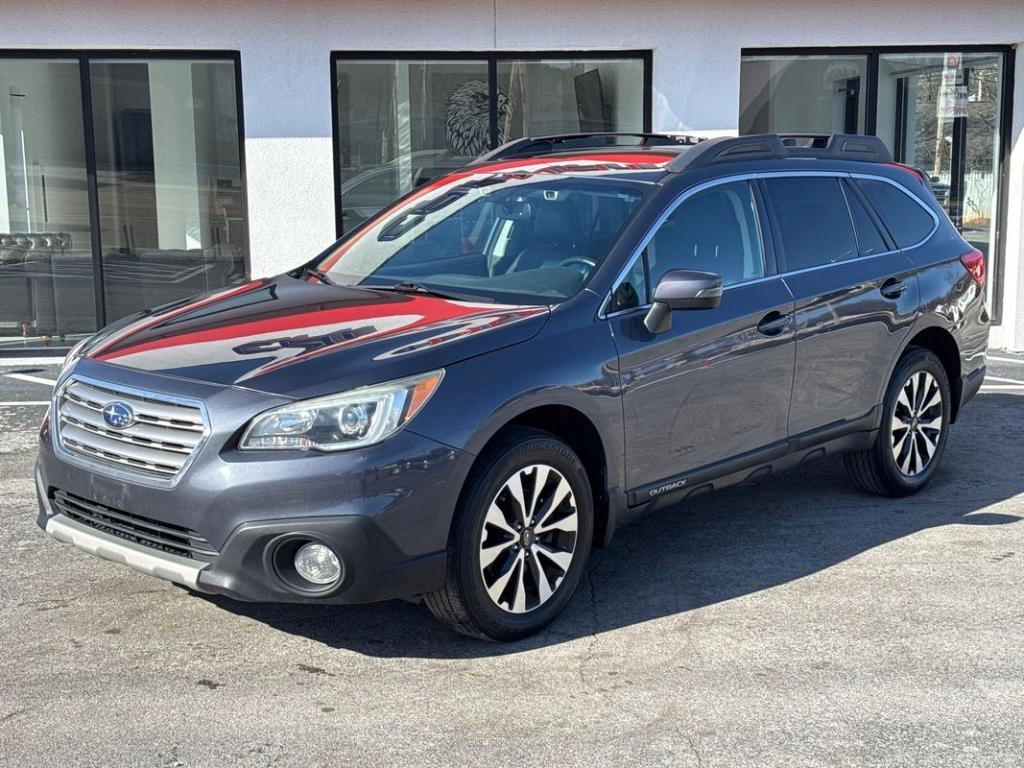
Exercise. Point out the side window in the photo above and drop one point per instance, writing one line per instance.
(906, 220)
(869, 239)
(714, 231)
(813, 220)
(632, 289)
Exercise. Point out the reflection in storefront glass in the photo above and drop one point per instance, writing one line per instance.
(940, 112)
(402, 122)
(803, 94)
(172, 216)
(552, 96)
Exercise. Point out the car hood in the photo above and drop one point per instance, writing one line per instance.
(297, 338)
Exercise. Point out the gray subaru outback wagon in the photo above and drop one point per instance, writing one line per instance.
(464, 395)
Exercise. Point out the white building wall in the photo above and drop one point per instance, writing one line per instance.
(286, 78)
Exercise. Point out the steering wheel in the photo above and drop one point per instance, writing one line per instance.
(588, 263)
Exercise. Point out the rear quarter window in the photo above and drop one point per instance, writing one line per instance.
(906, 220)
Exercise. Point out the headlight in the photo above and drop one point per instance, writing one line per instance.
(344, 421)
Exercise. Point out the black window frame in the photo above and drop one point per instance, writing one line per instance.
(84, 56)
(492, 59)
(1004, 132)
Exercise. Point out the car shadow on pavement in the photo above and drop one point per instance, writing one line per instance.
(712, 549)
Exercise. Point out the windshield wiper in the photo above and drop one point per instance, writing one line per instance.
(319, 274)
(411, 287)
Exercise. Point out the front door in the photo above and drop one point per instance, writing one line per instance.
(717, 384)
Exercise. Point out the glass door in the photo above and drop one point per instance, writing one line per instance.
(47, 291)
(169, 177)
(940, 112)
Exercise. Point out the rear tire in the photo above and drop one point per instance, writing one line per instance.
(520, 539)
(915, 426)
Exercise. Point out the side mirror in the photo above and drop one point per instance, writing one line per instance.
(682, 289)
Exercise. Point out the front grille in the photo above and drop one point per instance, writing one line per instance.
(158, 445)
(166, 537)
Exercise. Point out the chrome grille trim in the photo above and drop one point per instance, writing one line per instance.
(166, 437)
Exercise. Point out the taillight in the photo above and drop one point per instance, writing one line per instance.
(974, 262)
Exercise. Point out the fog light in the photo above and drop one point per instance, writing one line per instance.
(317, 564)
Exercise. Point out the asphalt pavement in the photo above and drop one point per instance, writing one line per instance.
(796, 622)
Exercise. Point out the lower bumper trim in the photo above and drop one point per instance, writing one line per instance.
(166, 566)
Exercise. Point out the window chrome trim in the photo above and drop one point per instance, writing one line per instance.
(112, 471)
(652, 230)
(670, 209)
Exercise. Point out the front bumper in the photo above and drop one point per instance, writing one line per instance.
(385, 510)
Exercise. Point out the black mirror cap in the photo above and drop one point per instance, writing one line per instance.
(682, 289)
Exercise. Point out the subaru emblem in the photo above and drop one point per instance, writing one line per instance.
(118, 415)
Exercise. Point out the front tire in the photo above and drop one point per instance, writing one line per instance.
(915, 426)
(520, 540)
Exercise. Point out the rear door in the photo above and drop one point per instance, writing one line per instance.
(717, 384)
(856, 297)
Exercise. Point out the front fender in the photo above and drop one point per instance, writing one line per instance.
(574, 367)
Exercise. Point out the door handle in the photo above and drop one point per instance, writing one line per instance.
(773, 324)
(893, 288)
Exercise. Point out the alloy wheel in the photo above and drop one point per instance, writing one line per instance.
(528, 538)
(917, 423)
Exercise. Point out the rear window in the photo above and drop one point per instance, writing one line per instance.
(906, 220)
(813, 221)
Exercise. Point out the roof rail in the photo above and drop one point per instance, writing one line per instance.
(775, 146)
(566, 142)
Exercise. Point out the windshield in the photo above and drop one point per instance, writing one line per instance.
(517, 237)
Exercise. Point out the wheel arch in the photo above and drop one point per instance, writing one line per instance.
(579, 432)
(941, 343)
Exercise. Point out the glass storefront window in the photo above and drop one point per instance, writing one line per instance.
(402, 122)
(172, 219)
(940, 112)
(549, 96)
(169, 206)
(803, 94)
(47, 292)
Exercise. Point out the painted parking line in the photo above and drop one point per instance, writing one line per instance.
(994, 359)
(1003, 379)
(30, 378)
(1003, 388)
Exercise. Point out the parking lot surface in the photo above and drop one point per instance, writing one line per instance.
(796, 622)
